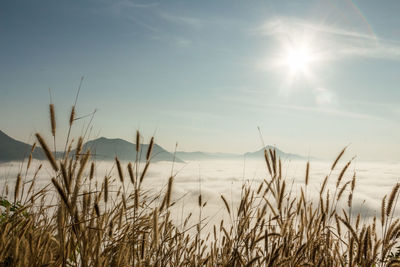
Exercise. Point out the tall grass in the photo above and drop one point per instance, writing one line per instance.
(102, 222)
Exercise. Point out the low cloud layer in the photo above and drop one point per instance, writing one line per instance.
(213, 178)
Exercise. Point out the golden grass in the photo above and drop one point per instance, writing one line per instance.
(92, 225)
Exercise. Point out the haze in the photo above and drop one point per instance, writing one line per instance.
(314, 75)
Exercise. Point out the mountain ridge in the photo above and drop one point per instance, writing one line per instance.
(109, 148)
(14, 150)
(104, 148)
(199, 155)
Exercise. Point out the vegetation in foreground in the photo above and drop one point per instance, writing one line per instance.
(94, 225)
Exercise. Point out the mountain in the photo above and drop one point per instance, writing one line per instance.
(101, 148)
(259, 154)
(14, 150)
(279, 153)
(107, 149)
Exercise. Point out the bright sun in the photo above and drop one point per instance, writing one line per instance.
(298, 59)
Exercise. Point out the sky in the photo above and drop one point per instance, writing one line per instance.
(315, 76)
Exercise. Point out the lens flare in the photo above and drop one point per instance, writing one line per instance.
(298, 60)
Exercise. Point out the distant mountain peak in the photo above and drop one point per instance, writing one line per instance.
(280, 153)
(198, 155)
(109, 148)
(12, 149)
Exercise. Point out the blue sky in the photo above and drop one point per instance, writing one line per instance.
(205, 74)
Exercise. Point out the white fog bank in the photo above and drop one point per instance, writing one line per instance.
(216, 177)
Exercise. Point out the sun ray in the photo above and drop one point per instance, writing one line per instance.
(298, 60)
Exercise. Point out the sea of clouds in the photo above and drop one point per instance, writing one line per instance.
(215, 177)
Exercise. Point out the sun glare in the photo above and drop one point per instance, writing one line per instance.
(298, 60)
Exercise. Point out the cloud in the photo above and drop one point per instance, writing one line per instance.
(121, 4)
(325, 103)
(334, 42)
(133, 11)
(329, 111)
(225, 177)
(149, 17)
(281, 24)
(183, 20)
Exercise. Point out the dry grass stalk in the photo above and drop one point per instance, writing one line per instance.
(149, 149)
(271, 227)
(91, 175)
(169, 191)
(72, 116)
(47, 151)
(131, 174)
(226, 204)
(267, 161)
(392, 197)
(105, 189)
(383, 208)
(120, 173)
(17, 187)
(307, 172)
(338, 158)
(65, 177)
(137, 141)
(62, 194)
(52, 119)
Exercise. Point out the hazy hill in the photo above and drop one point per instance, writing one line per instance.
(107, 149)
(213, 156)
(279, 153)
(14, 150)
